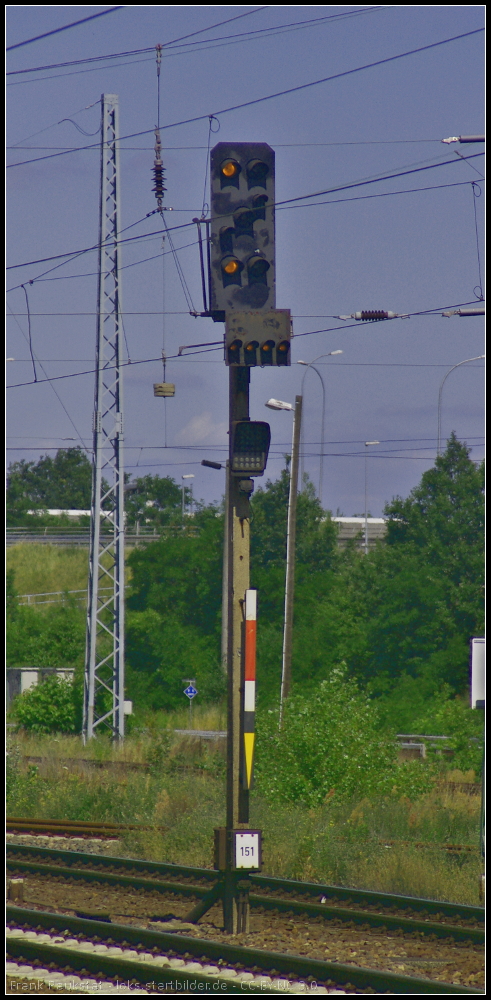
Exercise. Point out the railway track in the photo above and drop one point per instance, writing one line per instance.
(114, 831)
(127, 953)
(350, 906)
(73, 828)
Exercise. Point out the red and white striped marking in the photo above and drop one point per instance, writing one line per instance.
(250, 683)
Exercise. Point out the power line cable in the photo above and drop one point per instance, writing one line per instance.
(466, 158)
(335, 201)
(46, 129)
(277, 145)
(76, 72)
(382, 194)
(54, 390)
(65, 27)
(74, 255)
(478, 288)
(281, 93)
(224, 447)
(219, 345)
(279, 204)
(130, 52)
(175, 42)
(30, 334)
(375, 180)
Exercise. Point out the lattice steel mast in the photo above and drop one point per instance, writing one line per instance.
(104, 662)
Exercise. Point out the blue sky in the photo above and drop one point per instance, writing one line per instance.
(369, 247)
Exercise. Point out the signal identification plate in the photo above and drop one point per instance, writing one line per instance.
(247, 849)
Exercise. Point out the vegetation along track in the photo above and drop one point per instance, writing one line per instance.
(132, 953)
(429, 917)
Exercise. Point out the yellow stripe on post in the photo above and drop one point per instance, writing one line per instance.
(249, 756)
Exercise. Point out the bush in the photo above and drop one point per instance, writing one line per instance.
(453, 717)
(331, 744)
(50, 707)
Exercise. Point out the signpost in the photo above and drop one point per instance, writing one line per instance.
(191, 691)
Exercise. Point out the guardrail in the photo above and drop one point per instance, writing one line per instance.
(76, 536)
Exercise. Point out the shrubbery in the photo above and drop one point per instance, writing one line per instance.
(50, 707)
(331, 744)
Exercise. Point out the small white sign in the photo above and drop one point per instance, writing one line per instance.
(247, 850)
(478, 672)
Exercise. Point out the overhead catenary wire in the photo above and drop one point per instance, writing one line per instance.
(209, 348)
(145, 260)
(65, 27)
(279, 204)
(281, 93)
(54, 390)
(175, 42)
(476, 188)
(30, 334)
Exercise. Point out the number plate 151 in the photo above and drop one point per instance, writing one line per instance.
(248, 849)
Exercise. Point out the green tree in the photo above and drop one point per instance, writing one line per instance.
(181, 576)
(54, 637)
(155, 500)
(162, 650)
(419, 598)
(316, 533)
(442, 521)
(173, 624)
(63, 482)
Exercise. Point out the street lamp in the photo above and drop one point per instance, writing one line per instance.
(310, 364)
(367, 445)
(189, 475)
(466, 362)
(286, 668)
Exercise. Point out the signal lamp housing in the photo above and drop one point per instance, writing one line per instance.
(257, 172)
(242, 227)
(249, 447)
(229, 173)
(258, 339)
(231, 271)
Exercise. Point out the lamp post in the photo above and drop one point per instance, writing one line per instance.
(439, 433)
(310, 364)
(189, 475)
(286, 668)
(367, 445)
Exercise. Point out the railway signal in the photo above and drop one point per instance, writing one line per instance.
(241, 269)
(258, 339)
(250, 447)
(242, 238)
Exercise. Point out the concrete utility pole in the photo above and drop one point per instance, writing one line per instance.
(236, 904)
(104, 661)
(291, 535)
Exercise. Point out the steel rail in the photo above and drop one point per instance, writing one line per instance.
(120, 968)
(73, 827)
(155, 869)
(363, 917)
(264, 961)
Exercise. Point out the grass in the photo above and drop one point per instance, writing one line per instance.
(345, 843)
(47, 569)
(148, 734)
